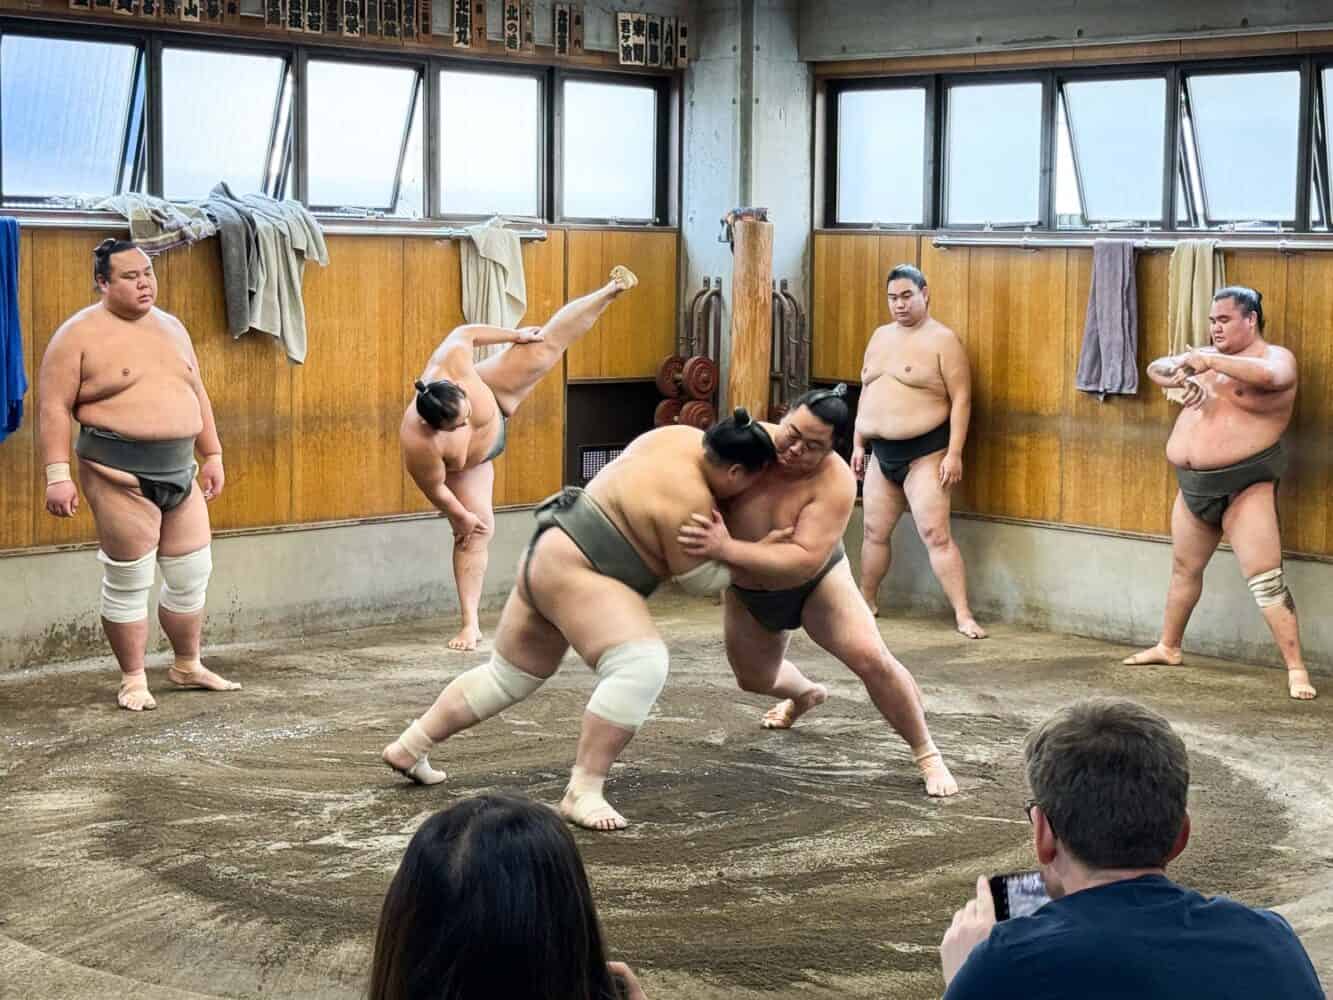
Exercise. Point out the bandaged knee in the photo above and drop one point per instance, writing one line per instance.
(125, 587)
(493, 687)
(185, 581)
(1270, 588)
(706, 579)
(630, 677)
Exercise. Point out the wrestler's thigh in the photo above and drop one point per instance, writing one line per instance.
(128, 523)
(185, 527)
(475, 488)
(1193, 540)
(882, 500)
(1251, 527)
(838, 619)
(592, 611)
(526, 639)
(755, 653)
(514, 372)
(927, 498)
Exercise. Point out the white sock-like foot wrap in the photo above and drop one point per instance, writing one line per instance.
(631, 676)
(493, 687)
(414, 740)
(185, 580)
(1269, 589)
(125, 587)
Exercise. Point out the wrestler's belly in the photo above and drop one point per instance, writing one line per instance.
(1212, 441)
(148, 413)
(893, 411)
(636, 526)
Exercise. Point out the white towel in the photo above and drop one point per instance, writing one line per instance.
(494, 290)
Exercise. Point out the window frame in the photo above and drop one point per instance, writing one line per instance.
(142, 158)
(662, 146)
(836, 88)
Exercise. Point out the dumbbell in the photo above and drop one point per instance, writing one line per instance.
(695, 413)
(693, 378)
(667, 412)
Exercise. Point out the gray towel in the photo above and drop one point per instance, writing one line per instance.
(1108, 363)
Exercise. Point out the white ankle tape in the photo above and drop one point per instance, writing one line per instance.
(415, 741)
(925, 751)
(631, 676)
(125, 587)
(494, 686)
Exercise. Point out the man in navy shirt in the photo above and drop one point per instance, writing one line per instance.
(1109, 782)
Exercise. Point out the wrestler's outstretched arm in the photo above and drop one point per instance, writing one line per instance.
(1274, 372)
(428, 472)
(479, 335)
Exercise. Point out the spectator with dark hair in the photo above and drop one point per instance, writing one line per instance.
(1109, 782)
(584, 580)
(911, 426)
(782, 539)
(492, 901)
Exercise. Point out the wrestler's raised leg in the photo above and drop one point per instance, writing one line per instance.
(1251, 526)
(758, 658)
(1193, 542)
(185, 530)
(127, 530)
(473, 487)
(513, 373)
(844, 626)
(883, 503)
(929, 502)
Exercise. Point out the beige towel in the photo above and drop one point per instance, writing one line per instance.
(494, 291)
(1197, 271)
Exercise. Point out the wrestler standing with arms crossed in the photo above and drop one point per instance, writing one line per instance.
(1227, 450)
(127, 372)
(455, 427)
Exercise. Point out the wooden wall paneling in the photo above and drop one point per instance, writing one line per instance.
(532, 467)
(62, 267)
(847, 303)
(638, 331)
(1016, 321)
(947, 276)
(249, 383)
(1304, 496)
(21, 484)
(1114, 472)
(432, 307)
(347, 399)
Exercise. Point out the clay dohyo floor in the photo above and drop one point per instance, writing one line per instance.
(239, 845)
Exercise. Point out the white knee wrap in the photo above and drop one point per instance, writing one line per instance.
(125, 587)
(185, 580)
(1269, 588)
(493, 687)
(708, 578)
(631, 676)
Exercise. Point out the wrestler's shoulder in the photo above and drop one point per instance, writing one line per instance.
(836, 475)
(87, 320)
(169, 322)
(944, 333)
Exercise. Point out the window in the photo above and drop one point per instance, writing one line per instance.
(881, 156)
(71, 118)
(1240, 135)
(1321, 153)
(359, 121)
(1110, 153)
(993, 151)
(609, 165)
(207, 141)
(490, 131)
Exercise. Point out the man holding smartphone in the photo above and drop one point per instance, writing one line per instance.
(1109, 782)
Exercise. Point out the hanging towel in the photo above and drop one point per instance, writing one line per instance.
(494, 290)
(238, 242)
(1108, 363)
(13, 380)
(1197, 270)
(158, 225)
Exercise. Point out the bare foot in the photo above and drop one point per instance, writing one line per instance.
(967, 625)
(134, 694)
(467, 638)
(1158, 654)
(784, 714)
(623, 279)
(1298, 684)
(940, 782)
(199, 676)
(418, 769)
(591, 811)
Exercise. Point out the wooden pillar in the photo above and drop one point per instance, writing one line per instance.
(751, 318)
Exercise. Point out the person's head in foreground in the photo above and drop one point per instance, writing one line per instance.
(737, 449)
(492, 901)
(1109, 783)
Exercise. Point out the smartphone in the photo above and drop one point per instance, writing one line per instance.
(1018, 894)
